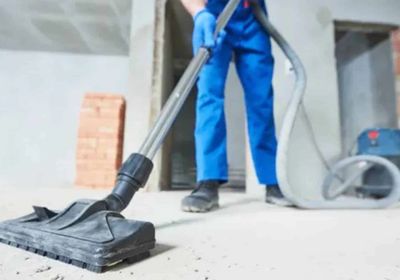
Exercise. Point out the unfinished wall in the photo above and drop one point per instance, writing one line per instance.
(40, 99)
(79, 26)
(396, 57)
(143, 80)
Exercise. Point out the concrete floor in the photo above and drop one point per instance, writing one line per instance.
(245, 239)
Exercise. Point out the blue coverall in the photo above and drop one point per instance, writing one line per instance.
(251, 47)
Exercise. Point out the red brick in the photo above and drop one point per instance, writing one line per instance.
(397, 65)
(104, 144)
(396, 47)
(100, 140)
(95, 124)
(86, 153)
(87, 143)
(89, 112)
(396, 35)
(112, 113)
(91, 103)
(102, 96)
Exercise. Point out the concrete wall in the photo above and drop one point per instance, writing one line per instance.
(40, 99)
(396, 56)
(145, 79)
(78, 26)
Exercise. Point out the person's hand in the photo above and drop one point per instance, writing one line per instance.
(204, 28)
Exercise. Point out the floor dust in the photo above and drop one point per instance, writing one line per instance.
(43, 269)
(245, 239)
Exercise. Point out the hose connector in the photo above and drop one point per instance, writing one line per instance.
(132, 176)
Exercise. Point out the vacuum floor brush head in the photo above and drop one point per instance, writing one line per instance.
(85, 234)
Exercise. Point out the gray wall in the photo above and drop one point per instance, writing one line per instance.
(77, 26)
(40, 99)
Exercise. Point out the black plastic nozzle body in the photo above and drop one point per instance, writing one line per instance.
(132, 176)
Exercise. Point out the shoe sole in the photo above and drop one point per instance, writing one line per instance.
(279, 202)
(193, 209)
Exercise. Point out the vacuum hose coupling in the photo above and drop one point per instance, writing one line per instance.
(132, 176)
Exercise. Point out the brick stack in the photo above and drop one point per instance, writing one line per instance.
(100, 140)
(396, 48)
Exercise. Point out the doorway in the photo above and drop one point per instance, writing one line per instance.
(179, 168)
(366, 79)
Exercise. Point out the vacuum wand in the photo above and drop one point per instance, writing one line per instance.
(135, 172)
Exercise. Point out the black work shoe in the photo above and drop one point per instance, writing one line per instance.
(274, 195)
(203, 199)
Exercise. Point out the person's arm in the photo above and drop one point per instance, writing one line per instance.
(194, 6)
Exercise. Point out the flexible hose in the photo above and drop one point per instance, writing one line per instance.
(286, 132)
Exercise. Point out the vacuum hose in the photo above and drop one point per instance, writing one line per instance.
(290, 116)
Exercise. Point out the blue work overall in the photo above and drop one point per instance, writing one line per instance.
(251, 47)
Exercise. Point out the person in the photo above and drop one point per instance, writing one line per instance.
(250, 45)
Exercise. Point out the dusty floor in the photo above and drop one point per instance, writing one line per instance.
(245, 239)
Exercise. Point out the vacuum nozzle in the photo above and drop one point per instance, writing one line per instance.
(132, 176)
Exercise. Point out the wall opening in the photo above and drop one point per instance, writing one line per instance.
(178, 165)
(366, 79)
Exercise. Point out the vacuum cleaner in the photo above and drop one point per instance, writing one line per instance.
(383, 142)
(94, 235)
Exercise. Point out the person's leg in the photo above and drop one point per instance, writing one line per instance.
(255, 66)
(210, 132)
